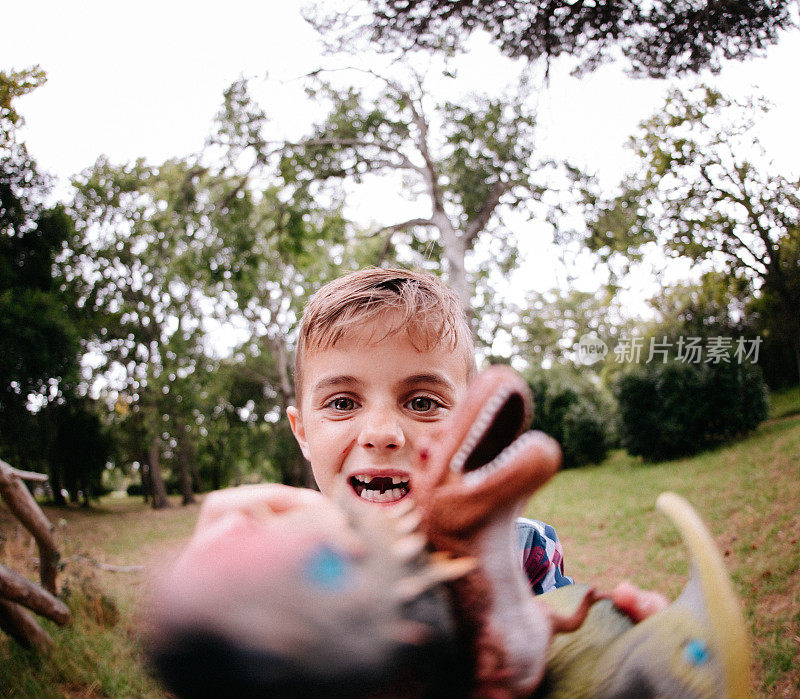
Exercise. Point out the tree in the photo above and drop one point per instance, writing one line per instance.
(657, 38)
(674, 409)
(549, 328)
(244, 432)
(575, 413)
(267, 245)
(705, 191)
(137, 226)
(78, 449)
(39, 329)
(462, 161)
(774, 320)
(14, 84)
(713, 306)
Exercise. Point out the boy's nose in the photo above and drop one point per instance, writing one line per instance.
(381, 431)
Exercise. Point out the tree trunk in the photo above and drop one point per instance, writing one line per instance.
(22, 627)
(455, 254)
(298, 470)
(185, 458)
(197, 484)
(17, 588)
(144, 476)
(22, 505)
(159, 493)
(216, 475)
(56, 485)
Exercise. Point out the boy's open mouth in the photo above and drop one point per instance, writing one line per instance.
(384, 489)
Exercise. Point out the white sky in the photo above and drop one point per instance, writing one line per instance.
(146, 79)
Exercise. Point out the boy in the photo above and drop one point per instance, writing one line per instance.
(383, 356)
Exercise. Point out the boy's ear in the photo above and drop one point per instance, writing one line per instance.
(298, 429)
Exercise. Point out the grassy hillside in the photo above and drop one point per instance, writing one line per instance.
(747, 493)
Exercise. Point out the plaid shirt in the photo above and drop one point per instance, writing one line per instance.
(542, 555)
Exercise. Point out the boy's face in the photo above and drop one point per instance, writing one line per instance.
(370, 405)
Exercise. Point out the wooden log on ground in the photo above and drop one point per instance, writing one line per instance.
(17, 588)
(23, 506)
(21, 625)
(30, 475)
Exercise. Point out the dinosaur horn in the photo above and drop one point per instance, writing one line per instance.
(440, 570)
(727, 625)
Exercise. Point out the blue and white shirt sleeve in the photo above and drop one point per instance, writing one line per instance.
(542, 555)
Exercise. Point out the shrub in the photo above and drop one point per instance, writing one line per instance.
(676, 409)
(576, 417)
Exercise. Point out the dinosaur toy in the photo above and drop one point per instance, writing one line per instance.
(343, 600)
(315, 602)
(481, 475)
(697, 647)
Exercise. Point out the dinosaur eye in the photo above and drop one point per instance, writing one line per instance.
(695, 652)
(328, 569)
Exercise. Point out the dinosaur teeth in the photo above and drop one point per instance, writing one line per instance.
(478, 429)
(441, 569)
(478, 476)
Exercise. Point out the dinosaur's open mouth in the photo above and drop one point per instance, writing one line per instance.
(495, 428)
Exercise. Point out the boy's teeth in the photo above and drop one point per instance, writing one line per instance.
(383, 489)
(377, 496)
(396, 480)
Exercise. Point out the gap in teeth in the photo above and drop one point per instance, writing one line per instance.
(380, 488)
(366, 480)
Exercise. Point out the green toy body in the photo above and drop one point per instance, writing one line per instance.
(666, 655)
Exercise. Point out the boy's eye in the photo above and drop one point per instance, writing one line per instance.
(342, 403)
(423, 404)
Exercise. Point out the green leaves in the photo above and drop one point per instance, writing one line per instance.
(699, 191)
(657, 38)
(14, 84)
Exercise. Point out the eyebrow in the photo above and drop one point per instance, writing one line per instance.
(407, 382)
(434, 379)
(332, 381)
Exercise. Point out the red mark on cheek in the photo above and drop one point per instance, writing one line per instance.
(348, 448)
(423, 455)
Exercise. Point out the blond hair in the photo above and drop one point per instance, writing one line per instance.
(417, 302)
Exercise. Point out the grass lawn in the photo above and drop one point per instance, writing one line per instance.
(747, 493)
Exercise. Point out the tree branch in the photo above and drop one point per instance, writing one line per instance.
(429, 170)
(17, 588)
(23, 627)
(404, 162)
(29, 475)
(22, 505)
(496, 191)
(402, 226)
